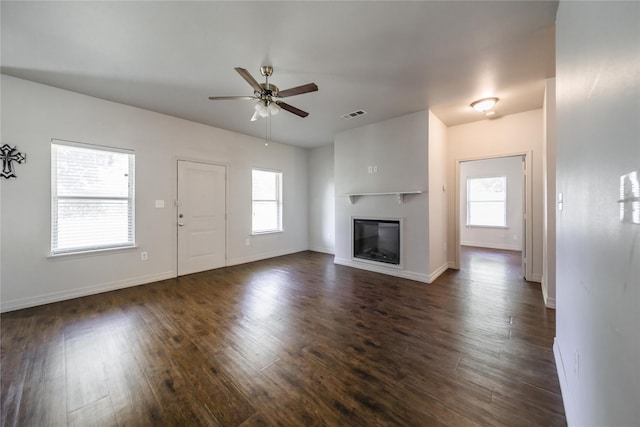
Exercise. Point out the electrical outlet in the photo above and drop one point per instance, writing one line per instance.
(247, 242)
(144, 256)
(159, 204)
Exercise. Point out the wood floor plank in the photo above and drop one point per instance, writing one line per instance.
(85, 374)
(545, 402)
(96, 414)
(293, 340)
(42, 399)
(131, 395)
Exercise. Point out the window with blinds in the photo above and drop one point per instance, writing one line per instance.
(266, 201)
(92, 197)
(487, 202)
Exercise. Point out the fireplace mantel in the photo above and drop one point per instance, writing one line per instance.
(399, 194)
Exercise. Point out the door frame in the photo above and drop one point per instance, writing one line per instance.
(226, 205)
(527, 250)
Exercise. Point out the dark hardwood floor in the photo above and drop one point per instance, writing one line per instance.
(292, 341)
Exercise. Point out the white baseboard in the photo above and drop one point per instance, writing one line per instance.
(433, 276)
(451, 264)
(120, 284)
(564, 385)
(536, 278)
(260, 257)
(83, 292)
(419, 277)
(548, 302)
(502, 246)
(323, 250)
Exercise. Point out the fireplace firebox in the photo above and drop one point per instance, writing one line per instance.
(377, 240)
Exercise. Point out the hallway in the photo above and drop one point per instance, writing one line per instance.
(496, 263)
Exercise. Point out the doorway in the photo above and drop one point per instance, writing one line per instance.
(509, 233)
(201, 217)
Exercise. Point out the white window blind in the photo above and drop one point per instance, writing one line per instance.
(267, 201)
(487, 201)
(92, 197)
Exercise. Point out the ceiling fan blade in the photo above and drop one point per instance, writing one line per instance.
(309, 87)
(249, 78)
(292, 109)
(217, 98)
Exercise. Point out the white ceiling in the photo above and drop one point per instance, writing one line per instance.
(387, 58)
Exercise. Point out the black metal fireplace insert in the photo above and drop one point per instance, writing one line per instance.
(377, 240)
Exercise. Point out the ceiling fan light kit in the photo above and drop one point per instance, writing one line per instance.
(265, 109)
(268, 95)
(483, 105)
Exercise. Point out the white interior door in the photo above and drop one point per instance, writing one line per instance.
(201, 217)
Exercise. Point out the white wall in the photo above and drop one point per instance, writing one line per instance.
(32, 114)
(398, 147)
(598, 256)
(437, 197)
(322, 196)
(509, 238)
(508, 135)
(549, 174)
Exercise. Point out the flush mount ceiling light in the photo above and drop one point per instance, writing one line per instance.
(485, 104)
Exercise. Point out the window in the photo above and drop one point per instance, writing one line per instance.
(267, 201)
(487, 201)
(92, 191)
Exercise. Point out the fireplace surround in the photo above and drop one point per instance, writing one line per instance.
(377, 240)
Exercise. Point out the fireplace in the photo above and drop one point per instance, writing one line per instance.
(377, 240)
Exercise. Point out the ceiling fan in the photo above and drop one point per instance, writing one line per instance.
(268, 95)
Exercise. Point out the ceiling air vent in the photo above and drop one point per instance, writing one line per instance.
(353, 114)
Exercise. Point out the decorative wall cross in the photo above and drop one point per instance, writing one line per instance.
(9, 155)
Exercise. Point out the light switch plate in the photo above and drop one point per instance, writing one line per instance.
(560, 201)
(630, 197)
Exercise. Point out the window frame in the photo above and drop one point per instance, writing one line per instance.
(469, 202)
(278, 200)
(97, 248)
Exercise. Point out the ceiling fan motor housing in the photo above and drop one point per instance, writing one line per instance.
(267, 92)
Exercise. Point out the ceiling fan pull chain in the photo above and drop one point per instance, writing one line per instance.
(266, 131)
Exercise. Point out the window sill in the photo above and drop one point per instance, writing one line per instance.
(502, 227)
(96, 252)
(262, 233)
